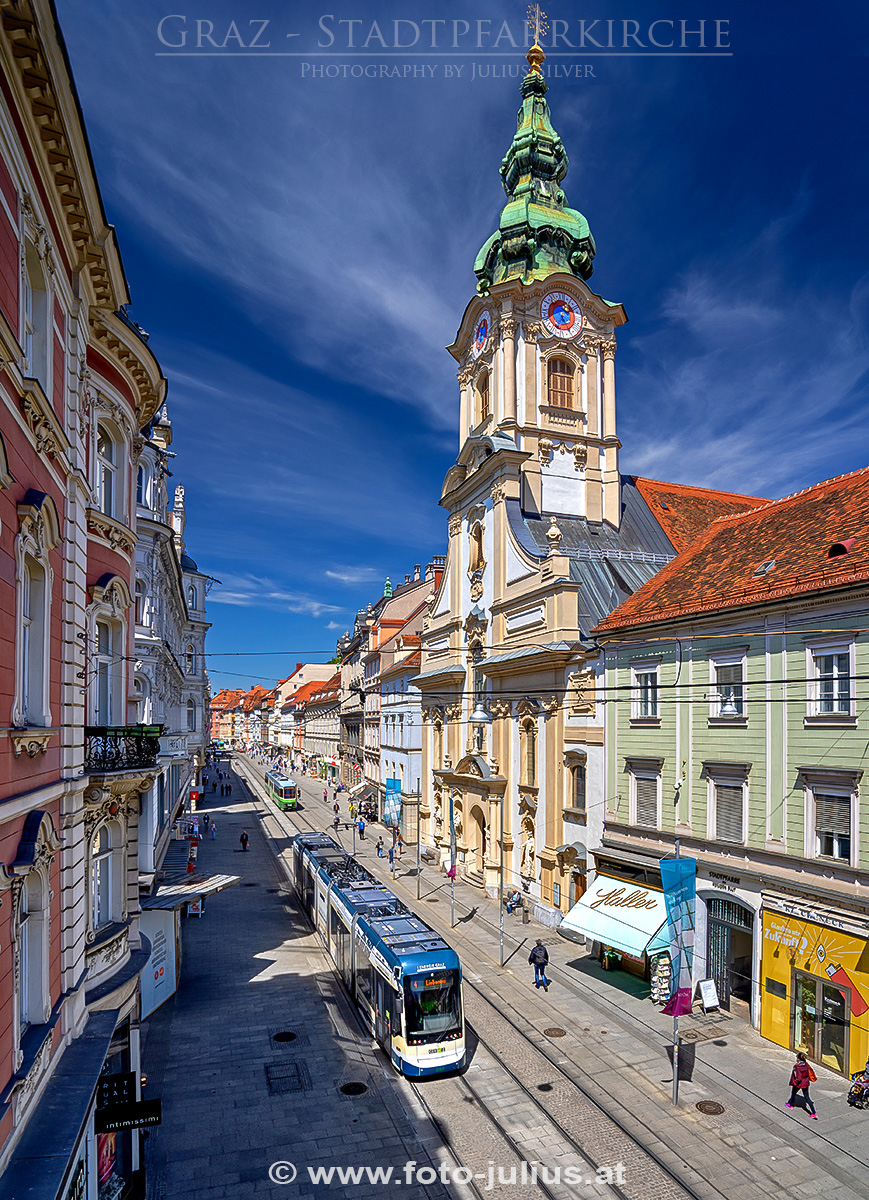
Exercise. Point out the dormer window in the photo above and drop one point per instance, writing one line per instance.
(560, 388)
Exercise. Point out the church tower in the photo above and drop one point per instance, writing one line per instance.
(536, 346)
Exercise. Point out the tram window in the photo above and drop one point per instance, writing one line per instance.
(432, 1003)
(395, 1014)
(365, 984)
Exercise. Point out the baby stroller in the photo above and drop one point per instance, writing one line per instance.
(858, 1093)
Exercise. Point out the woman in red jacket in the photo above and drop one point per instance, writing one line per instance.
(801, 1076)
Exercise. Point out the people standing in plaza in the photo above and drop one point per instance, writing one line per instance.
(325, 796)
(213, 830)
(214, 786)
(380, 847)
(538, 958)
(335, 807)
(205, 822)
(801, 1076)
(244, 839)
(361, 828)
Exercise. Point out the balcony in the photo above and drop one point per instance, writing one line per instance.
(121, 747)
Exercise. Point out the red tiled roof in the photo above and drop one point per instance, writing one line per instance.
(719, 571)
(305, 691)
(412, 661)
(685, 512)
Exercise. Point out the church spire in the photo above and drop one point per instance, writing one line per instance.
(537, 234)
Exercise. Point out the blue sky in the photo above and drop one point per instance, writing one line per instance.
(301, 248)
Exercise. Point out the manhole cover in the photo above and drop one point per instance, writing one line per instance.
(553, 1032)
(432, 900)
(285, 1035)
(282, 1078)
(710, 1108)
(354, 1089)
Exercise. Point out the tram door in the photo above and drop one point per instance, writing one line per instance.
(383, 997)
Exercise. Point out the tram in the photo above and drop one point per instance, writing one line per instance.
(282, 790)
(403, 977)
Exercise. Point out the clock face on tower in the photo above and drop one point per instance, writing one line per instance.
(560, 315)
(481, 333)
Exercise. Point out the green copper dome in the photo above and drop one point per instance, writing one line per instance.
(537, 234)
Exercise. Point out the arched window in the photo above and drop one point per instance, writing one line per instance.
(438, 745)
(140, 602)
(560, 390)
(106, 470)
(107, 679)
(32, 952)
(36, 316)
(142, 487)
(191, 715)
(33, 617)
(191, 596)
(105, 876)
(191, 661)
(483, 404)
(577, 798)
(528, 743)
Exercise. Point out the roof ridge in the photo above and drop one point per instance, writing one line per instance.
(749, 512)
(694, 487)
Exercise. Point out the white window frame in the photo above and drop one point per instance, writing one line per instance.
(648, 773)
(820, 649)
(31, 920)
(38, 534)
(37, 307)
(191, 715)
(640, 668)
(725, 659)
(112, 858)
(721, 777)
(831, 788)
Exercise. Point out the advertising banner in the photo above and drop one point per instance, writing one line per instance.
(158, 979)
(679, 877)
(452, 871)
(392, 804)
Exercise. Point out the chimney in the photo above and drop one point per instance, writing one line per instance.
(407, 579)
(416, 567)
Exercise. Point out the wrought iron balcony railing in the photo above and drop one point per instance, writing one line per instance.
(121, 747)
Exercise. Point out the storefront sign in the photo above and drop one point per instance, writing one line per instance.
(116, 1089)
(727, 883)
(128, 1116)
(830, 968)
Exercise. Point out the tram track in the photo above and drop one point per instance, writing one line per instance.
(572, 1123)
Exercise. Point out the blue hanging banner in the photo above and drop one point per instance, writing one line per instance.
(679, 878)
(392, 804)
(452, 871)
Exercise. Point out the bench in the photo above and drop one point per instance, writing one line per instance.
(430, 856)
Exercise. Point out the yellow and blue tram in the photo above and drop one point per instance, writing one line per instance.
(282, 790)
(403, 977)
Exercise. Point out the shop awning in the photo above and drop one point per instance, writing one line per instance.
(354, 791)
(626, 916)
(175, 895)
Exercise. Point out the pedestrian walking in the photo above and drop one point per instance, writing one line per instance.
(391, 857)
(244, 839)
(213, 830)
(538, 958)
(336, 807)
(361, 828)
(352, 811)
(336, 822)
(229, 789)
(801, 1076)
(380, 847)
(325, 796)
(205, 822)
(214, 786)
(399, 845)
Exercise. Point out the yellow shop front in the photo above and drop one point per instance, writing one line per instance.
(815, 981)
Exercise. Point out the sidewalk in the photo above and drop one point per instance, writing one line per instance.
(236, 1096)
(622, 1040)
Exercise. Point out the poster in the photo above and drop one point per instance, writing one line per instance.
(679, 877)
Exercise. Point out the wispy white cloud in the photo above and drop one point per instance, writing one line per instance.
(251, 591)
(353, 574)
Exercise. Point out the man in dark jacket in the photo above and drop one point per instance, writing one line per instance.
(538, 958)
